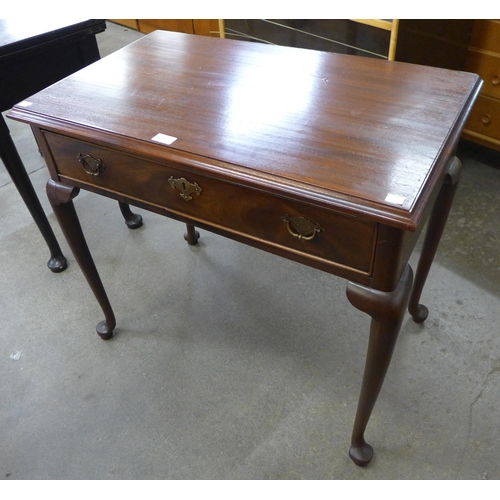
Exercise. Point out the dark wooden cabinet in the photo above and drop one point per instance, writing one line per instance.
(442, 43)
(365, 37)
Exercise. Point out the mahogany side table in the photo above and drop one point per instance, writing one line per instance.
(333, 161)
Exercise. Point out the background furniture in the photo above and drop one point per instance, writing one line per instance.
(367, 37)
(32, 57)
(483, 57)
(207, 27)
(354, 36)
(441, 43)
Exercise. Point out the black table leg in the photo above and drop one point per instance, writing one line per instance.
(21, 180)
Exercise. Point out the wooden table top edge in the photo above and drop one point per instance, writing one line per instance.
(391, 215)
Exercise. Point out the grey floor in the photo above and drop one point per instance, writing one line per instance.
(230, 363)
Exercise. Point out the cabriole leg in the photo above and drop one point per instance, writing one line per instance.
(60, 197)
(132, 220)
(436, 225)
(191, 235)
(387, 311)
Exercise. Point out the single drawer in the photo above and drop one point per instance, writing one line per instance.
(485, 117)
(288, 225)
(488, 68)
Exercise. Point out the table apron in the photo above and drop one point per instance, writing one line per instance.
(325, 239)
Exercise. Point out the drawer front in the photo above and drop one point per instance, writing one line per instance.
(488, 68)
(485, 117)
(486, 35)
(301, 228)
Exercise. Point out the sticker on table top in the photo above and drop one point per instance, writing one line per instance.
(24, 104)
(394, 198)
(164, 139)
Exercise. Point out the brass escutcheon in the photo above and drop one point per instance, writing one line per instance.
(93, 166)
(301, 228)
(185, 187)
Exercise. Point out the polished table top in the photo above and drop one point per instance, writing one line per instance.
(360, 134)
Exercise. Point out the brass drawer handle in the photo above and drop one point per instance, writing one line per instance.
(93, 166)
(185, 187)
(301, 228)
(495, 80)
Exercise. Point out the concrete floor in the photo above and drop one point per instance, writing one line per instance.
(230, 363)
